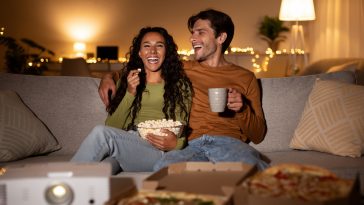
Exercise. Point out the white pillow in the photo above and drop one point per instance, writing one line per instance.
(332, 120)
(22, 134)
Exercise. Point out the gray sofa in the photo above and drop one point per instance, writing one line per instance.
(337, 64)
(70, 107)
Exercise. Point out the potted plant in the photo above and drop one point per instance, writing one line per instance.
(17, 59)
(271, 29)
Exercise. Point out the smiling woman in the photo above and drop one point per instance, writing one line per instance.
(152, 86)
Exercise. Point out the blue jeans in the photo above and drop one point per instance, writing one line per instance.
(214, 149)
(126, 147)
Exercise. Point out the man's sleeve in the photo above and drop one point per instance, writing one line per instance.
(251, 118)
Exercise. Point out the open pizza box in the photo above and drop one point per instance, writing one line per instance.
(243, 197)
(121, 187)
(202, 178)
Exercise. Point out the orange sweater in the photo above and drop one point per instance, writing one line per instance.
(248, 125)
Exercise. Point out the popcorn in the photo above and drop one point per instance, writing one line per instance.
(155, 126)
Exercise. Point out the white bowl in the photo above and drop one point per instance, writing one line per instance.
(143, 131)
(156, 126)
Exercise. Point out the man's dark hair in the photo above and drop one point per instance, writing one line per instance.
(220, 22)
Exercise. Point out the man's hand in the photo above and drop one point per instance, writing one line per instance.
(107, 83)
(164, 143)
(235, 100)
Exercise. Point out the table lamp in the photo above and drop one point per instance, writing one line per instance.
(79, 48)
(297, 10)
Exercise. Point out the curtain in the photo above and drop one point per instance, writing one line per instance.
(338, 31)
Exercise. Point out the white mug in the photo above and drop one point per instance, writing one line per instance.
(217, 99)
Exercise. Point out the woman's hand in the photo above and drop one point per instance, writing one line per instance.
(164, 143)
(133, 81)
(235, 100)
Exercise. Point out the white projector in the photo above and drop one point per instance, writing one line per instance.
(56, 183)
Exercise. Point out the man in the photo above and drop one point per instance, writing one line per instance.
(215, 136)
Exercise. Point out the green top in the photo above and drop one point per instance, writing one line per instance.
(151, 109)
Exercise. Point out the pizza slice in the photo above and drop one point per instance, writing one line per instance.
(145, 197)
(305, 182)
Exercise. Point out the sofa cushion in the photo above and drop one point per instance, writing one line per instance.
(37, 159)
(321, 66)
(352, 66)
(22, 134)
(333, 120)
(70, 106)
(336, 64)
(283, 100)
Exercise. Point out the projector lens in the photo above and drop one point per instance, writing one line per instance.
(59, 193)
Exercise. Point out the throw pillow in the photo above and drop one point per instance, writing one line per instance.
(22, 134)
(352, 66)
(332, 120)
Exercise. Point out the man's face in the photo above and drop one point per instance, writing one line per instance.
(203, 41)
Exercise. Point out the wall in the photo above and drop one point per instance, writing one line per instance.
(57, 24)
(338, 30)
(115, 22)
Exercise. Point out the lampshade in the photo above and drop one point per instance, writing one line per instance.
(297, 10)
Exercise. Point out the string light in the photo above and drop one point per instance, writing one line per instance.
(2, 31)
(258, 64)
(185, 52)
(260, 61)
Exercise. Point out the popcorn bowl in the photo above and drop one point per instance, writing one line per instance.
(156, 126)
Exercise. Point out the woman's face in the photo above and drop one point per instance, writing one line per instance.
(152, 51)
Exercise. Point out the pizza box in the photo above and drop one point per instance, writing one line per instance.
(121, 187)
(242, 197)
(205, 178)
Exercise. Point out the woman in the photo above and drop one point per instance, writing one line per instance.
(152, 86)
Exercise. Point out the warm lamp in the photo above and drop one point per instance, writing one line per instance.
(297, 10)
(79, 49)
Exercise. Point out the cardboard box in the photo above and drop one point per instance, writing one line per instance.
(206, 178)
(242, 197)
(121, 187)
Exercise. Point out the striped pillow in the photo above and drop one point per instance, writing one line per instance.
(22, 134)
(332, 120)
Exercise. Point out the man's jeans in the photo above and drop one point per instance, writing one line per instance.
(214, 149)
(126, 147)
